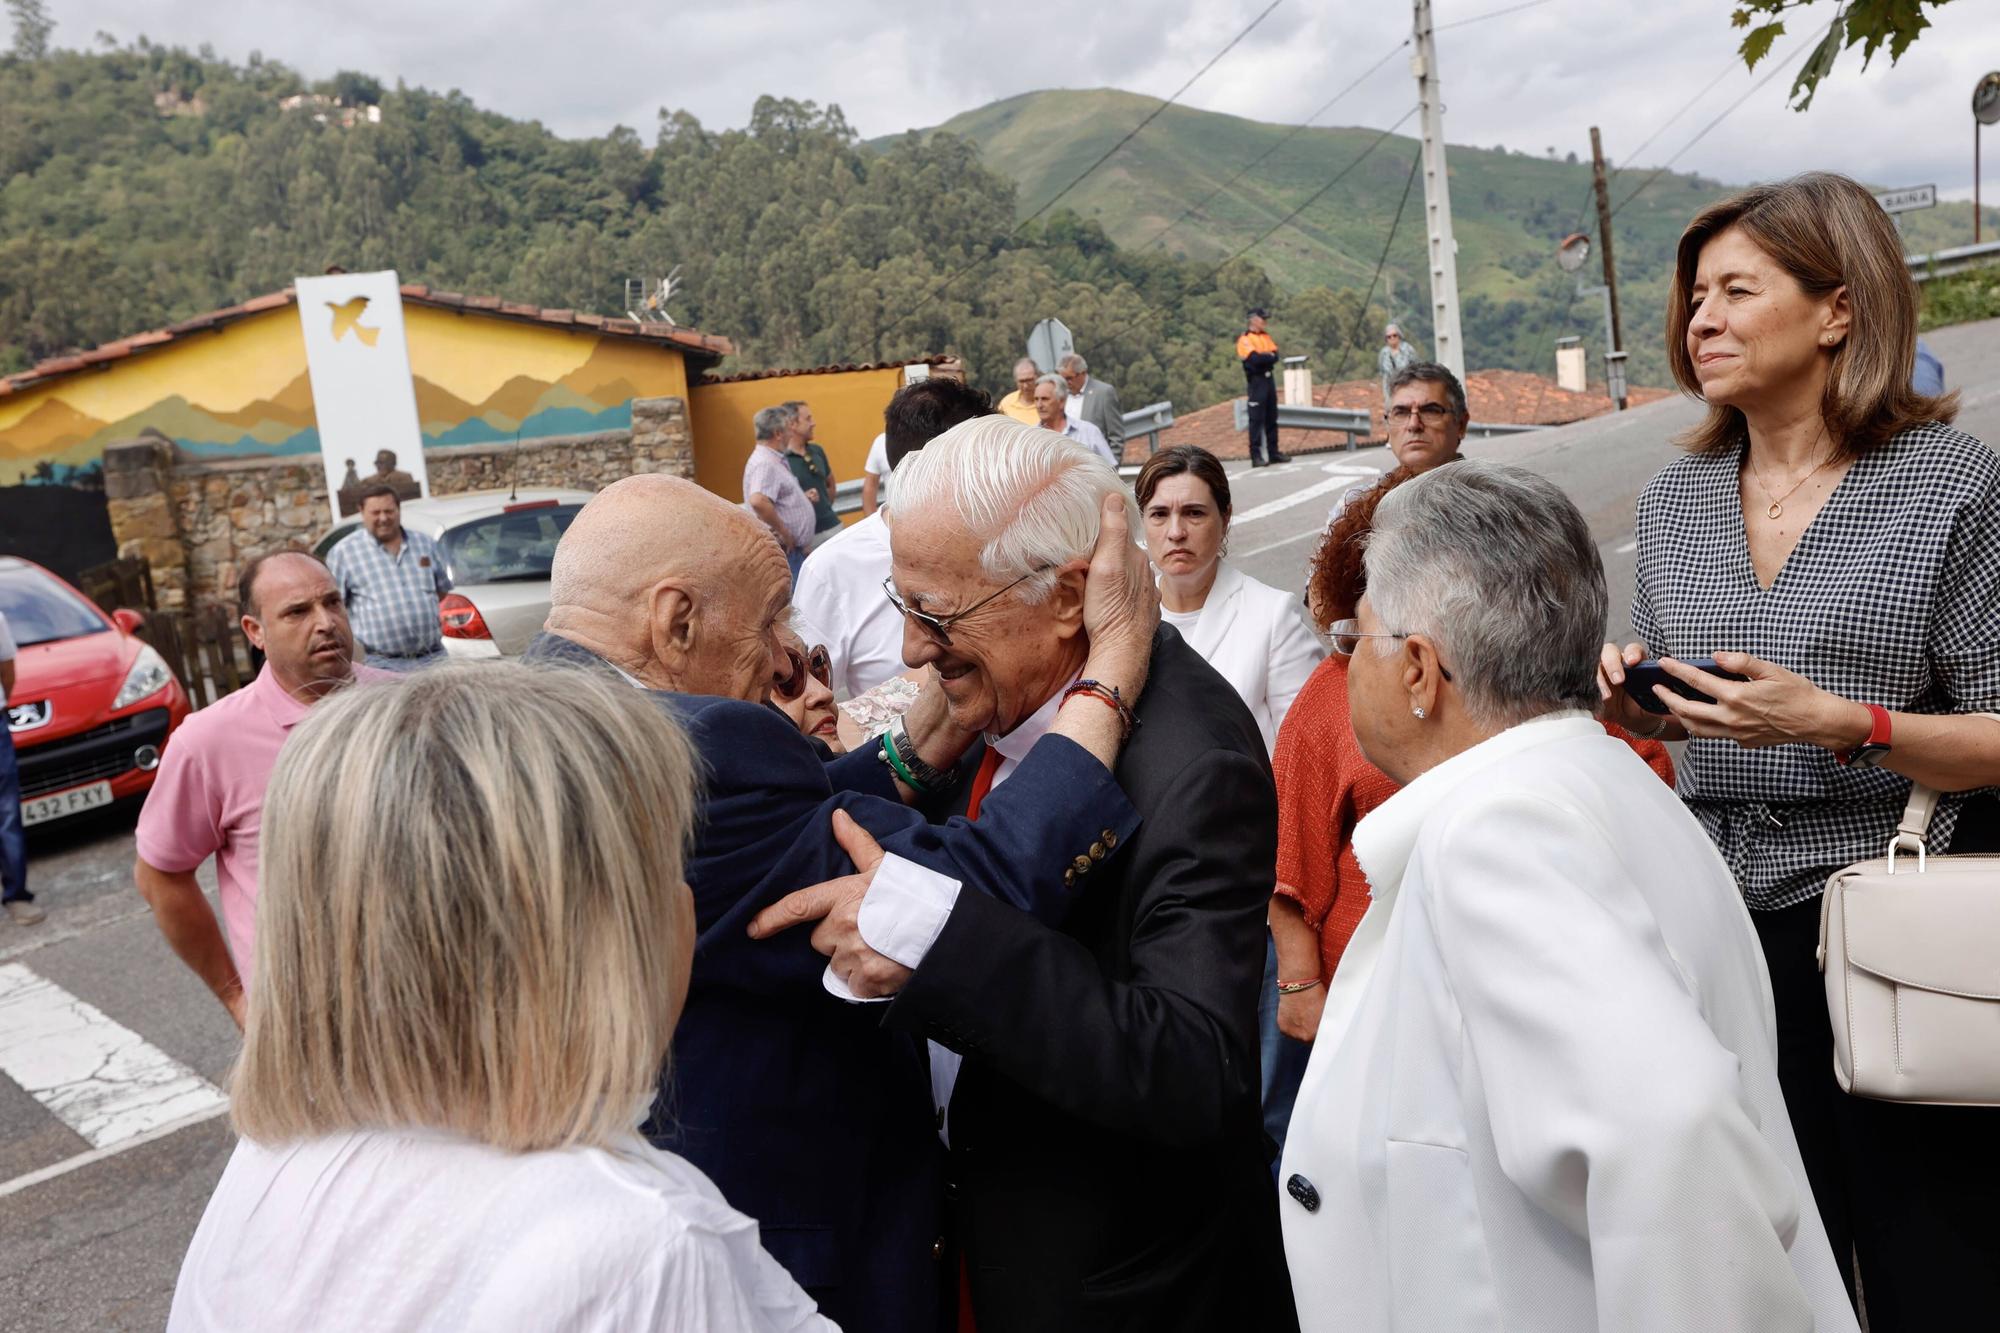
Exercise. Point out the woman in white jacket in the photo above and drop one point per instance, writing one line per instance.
(1544, 1093)
(1249, 631)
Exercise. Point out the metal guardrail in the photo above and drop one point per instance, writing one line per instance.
(847, 496)
(1944, 263)
(1486, 429)
(1149, 421)
(1355, 423)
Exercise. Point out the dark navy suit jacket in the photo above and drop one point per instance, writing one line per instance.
(807, 1113)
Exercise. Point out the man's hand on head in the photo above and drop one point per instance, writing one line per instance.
(836, 906)
(1121, 604)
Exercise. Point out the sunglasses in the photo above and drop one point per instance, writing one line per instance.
(1346, 636)
(813, 662)
(938, 628)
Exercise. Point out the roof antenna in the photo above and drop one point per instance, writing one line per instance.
(514, 471)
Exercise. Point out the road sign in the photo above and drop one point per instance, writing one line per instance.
(1048, 343)
(1908, 201)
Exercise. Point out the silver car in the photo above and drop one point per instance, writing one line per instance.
(497, 547)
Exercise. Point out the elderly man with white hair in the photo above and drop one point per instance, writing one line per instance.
(1544, 1092)
(1095, 1071)
(1093, 401)
(1052, 405)
(808, 1113)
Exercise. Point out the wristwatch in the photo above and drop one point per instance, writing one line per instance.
(1871, 752)
(899, 752)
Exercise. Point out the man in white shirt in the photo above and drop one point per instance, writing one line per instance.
(839, 600)
(1052, 404)
(875, 477)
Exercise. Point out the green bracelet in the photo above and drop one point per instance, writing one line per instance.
(895, 762)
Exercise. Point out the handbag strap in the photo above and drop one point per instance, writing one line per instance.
(1916, 821)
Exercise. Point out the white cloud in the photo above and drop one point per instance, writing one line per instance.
(1530, 80)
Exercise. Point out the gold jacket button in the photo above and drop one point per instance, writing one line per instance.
(1069, 879)
(1097, 851)
(1081, 865)
(1108, 838)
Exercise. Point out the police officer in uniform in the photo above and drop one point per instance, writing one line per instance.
(1259, 354)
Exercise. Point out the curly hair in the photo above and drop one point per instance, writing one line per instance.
(1337, 579)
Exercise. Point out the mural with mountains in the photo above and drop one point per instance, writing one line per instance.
(594, 396)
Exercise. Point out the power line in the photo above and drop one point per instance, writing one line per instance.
(1755, 88)
(1321, 191)
(1259, 160)
(1490, 14)
(1362, 313)
(1049, 203)
(1150, 116)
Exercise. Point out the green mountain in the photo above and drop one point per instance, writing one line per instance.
(1509, 207)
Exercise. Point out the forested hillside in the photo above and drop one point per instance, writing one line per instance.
(143, 185)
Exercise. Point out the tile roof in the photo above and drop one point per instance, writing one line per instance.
(742, 376)
(1496, 397)
(706, 348)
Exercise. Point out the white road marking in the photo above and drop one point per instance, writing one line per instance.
(1297, 537)
(1340, 480)
(1625, 548)
(101, 1079)
(83, 1159)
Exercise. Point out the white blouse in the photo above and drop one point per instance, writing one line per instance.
(421, 1230)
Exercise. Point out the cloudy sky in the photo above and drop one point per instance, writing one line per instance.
(1529, 80)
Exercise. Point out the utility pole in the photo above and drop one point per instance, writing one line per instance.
(1450, 341)
(1614, 356)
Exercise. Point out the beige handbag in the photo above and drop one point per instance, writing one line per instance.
(1910, 945)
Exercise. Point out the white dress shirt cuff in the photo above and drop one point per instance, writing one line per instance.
(901, 917)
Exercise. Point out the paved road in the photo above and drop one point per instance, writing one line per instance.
(98, 1199)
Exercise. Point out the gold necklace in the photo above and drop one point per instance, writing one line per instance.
(1777, 509)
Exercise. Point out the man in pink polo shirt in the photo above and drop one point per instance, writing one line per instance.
(208, 799)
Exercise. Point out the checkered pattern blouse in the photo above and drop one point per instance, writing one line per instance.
(392, 601)
(1891, 597)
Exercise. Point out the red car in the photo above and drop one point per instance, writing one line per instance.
(92, 703)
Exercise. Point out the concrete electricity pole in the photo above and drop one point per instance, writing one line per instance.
(1450, 349)
(1615, 354)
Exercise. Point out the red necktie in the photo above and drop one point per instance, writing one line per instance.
(982, 783)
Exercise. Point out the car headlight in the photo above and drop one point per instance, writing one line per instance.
(149, 675)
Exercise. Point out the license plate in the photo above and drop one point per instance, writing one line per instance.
(57, 804)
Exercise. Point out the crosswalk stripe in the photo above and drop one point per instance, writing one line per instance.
(98, 1077)
(1340, 479)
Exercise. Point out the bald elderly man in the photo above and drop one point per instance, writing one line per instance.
(806, 1112)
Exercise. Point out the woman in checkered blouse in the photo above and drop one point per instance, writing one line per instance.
(1831, 538)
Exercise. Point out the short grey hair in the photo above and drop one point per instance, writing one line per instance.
(1031, 497)
(1074, 362)
(1430, 372)
(771, 422)
(1396, 329)
(1061, 384)
(1497, 567)
(1029, 362)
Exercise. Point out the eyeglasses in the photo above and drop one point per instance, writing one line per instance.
(814, 662)
(938, 628)
(1432, 413)
(1348, 634)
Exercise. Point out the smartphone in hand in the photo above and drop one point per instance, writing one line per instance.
(1640, 680)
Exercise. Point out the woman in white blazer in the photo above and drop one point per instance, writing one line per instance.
(1251, 632)
(1544, 1093)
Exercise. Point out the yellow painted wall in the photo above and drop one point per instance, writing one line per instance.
(242, 391)
(847, 416)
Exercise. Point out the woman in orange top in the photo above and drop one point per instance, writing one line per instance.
(1326, 786)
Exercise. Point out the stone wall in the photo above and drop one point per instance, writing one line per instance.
(196, 523)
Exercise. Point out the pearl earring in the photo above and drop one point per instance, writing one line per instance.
(1419, 712)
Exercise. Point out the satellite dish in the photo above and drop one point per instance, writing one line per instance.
(1572, 251)
(1986, 100)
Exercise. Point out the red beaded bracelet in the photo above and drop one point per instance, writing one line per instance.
(1109, 696)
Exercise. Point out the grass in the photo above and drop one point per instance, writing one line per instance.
(1961, 298)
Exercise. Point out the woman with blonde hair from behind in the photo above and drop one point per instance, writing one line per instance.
(473, 945)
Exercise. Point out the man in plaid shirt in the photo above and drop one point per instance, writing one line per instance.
(391, 579)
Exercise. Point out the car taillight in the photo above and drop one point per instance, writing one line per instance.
(458, 618)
